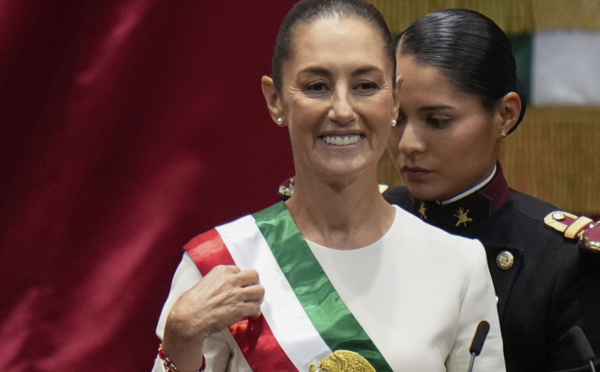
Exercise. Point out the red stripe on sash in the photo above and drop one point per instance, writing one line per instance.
(208, 250)
(254, 336)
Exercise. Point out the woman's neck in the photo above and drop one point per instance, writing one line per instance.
(344, 215)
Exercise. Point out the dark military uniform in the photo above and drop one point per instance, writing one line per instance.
(545, 284)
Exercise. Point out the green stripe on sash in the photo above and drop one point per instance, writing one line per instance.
(333, 320)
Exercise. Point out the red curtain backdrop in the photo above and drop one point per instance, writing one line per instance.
(126, 128)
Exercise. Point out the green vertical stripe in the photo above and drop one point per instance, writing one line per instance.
(333, 320)
(522, 45)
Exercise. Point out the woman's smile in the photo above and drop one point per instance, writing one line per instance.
(341, 140)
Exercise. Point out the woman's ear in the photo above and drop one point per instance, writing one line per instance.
(509, 110)
(396, 111)
(273, 100)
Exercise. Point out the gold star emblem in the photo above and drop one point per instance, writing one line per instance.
(462, 217)
(422, 211)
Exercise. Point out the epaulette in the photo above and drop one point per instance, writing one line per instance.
(582, 228)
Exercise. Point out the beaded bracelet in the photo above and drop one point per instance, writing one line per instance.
(169, 366)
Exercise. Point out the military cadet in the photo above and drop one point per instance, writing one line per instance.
(459, 99)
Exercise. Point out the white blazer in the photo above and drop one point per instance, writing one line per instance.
(418, 292)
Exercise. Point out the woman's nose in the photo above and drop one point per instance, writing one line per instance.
(411, 140)
(342, 110)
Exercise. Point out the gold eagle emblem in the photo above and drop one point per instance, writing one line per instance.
(462, 217)
(343, 361)
(423, 211)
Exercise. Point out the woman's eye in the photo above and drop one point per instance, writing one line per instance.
(316, 87)
(366, 86)
(437, 122)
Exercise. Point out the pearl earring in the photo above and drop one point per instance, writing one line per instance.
(394, 122)
(279, 120)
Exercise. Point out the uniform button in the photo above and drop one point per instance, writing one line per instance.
(505, 260)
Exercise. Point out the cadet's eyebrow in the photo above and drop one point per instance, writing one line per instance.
(435, 108)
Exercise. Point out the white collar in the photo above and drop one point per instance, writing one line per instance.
(471, 190)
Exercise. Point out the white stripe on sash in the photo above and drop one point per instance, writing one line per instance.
(289, 323)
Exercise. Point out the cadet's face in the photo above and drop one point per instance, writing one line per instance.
(445, 142)
(337, 97)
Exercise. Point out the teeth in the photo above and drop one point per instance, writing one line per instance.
(341, 140)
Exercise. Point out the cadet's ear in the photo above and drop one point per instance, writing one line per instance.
(509, 110)
(273, 100)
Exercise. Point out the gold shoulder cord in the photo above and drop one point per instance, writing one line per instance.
(557, 220)
(573, 227)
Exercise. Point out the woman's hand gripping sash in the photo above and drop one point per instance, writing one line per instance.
(303, 318)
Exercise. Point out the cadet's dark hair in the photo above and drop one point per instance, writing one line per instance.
(470, 50)
(309, 10)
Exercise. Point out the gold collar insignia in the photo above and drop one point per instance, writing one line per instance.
(462, 217)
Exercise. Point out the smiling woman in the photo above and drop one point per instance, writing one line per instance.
(338, 110)
(305, 284)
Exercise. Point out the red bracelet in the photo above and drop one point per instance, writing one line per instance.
(169, 366)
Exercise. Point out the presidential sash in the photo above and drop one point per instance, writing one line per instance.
(303, 318)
